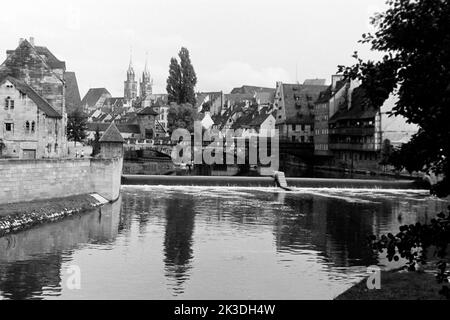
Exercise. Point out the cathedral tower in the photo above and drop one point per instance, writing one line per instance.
(130, 85)
(146, 82)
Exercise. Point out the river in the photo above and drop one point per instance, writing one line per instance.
(169, 242)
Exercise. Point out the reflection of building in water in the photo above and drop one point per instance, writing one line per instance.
(31, 261)
(336, 228)
(180, 220)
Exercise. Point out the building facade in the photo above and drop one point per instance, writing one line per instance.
(294, 105)
(355, 133)
(33, 115)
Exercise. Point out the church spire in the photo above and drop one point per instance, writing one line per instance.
(130, 67)
(146, 72)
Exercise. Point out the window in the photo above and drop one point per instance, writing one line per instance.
(33, 126)
(22, 96)
(7, 103)
(9, 127)
(293, 127)
(27, 126)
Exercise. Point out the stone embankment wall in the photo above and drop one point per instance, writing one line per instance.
(28, 180)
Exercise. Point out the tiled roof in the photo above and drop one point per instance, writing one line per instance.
(112, 134)
(245, 120)
(314, 82)
(261, 117)
(123, 127)
(299, 102)
(245, 89)
(93, 95)
(265, 97)
(115, 101)
(73, 99)
(40, 102)
(326, 95)
(148, 111)
(360, 108)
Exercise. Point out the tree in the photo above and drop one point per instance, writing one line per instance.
(414, 38)
(76, 126)
(174, 81)
(181, 116)
(386, 152)
(182, 79)
(189, 78)
(96, 142)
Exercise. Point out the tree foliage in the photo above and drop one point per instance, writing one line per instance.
(76, 126)
(414, 38)
(182, 79)
(417, 243)
(181, 116)
(96, 142)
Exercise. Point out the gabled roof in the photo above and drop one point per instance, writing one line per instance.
(40, 102)
(93, 95)
(112, 134)
(73, 99)
(147, 111)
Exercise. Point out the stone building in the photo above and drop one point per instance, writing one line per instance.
(33, 115)
(146, 119)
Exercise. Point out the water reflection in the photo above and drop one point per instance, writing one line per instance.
(180, 217)
(210, 242)
(31, 261)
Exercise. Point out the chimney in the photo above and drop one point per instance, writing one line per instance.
(32, 41)
(20, 41)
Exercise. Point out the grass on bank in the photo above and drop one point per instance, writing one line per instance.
(50, 205)
(397, 286)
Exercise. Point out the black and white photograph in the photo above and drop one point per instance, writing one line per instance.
(224, 150)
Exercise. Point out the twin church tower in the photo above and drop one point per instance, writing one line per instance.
(131, 85)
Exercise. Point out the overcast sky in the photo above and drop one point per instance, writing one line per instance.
(231, 42)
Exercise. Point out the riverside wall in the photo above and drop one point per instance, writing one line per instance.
(28, 180)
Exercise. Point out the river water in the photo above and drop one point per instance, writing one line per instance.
(168, 242)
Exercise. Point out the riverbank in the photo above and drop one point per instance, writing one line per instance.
(20, 216)
(397, 286)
